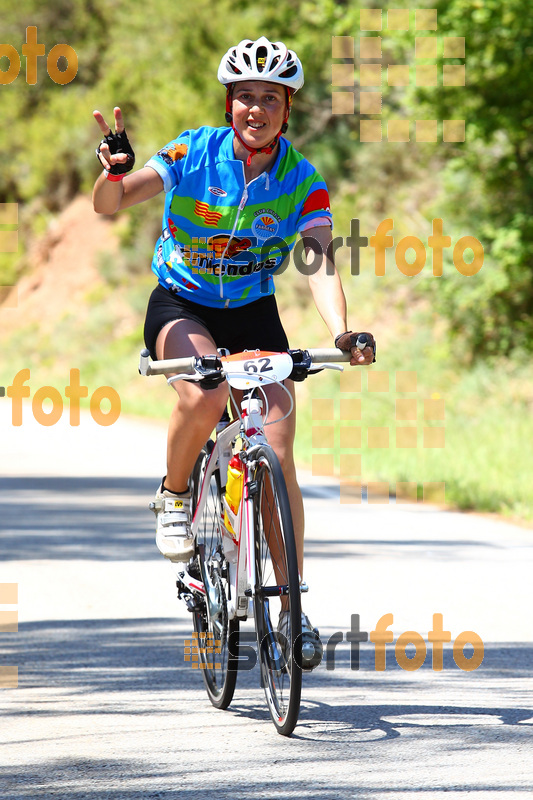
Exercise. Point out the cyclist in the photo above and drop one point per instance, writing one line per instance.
(229, 191)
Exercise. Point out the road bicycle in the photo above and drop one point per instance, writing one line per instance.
(245, 558)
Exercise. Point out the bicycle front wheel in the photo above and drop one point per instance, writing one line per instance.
(214, 630)
(277, 593)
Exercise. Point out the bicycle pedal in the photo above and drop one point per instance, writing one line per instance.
(155, 506)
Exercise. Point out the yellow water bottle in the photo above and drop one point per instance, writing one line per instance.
(232, 498)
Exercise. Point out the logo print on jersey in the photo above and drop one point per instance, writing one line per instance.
(218, 245)
(217, 191)
(172, 228)
(265, 226)
(172, 154)
(188, 285)
(202, 210)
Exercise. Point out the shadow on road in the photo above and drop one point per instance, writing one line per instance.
(76, 518)
(114, 667)
(105, 519)
(111, 655)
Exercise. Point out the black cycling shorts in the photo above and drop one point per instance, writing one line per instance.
(255, 326)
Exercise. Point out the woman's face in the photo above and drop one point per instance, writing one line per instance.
(258, 111)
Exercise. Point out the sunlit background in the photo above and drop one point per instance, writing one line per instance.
(82, 281)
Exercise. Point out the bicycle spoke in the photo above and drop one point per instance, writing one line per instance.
(214, 629)
(276, 590)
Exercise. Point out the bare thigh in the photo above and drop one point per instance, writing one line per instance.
(197, 410)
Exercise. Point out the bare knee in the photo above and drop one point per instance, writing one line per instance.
(207, 404)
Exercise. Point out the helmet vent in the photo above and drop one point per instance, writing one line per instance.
(261, 58)
(288, 73)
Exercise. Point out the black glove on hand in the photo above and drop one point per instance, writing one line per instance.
(118, 143)
(345, 341)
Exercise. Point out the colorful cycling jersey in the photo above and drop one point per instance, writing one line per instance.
(223, 239)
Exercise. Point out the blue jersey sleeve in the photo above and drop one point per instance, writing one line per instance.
(168, 162)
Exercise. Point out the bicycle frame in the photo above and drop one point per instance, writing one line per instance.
(241, 565)
(246, 560)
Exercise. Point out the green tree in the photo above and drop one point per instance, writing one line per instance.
(489, 178)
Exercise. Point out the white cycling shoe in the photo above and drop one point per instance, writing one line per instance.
(173, 527)
(312, 649)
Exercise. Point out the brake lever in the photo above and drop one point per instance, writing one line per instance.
(319, 367)
(185, 377)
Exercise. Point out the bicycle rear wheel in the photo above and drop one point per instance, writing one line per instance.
(216, 633)
(277, 588)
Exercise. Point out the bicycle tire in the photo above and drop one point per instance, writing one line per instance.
(276, 569)
(217, 663)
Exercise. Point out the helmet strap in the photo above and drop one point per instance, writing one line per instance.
(256, 150)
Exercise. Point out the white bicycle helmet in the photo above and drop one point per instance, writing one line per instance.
(261, 60)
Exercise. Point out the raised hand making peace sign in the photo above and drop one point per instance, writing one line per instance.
(114, 151)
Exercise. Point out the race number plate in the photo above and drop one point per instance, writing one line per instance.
(256, 367)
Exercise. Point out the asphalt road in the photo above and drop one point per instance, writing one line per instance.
(107, 708)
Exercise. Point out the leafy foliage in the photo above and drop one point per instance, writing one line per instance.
(159, 64)
(489, 179)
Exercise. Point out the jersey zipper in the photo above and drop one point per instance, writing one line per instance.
(243, 201)
(242, 204)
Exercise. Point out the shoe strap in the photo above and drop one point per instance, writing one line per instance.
(174, 518)
(175, 504)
